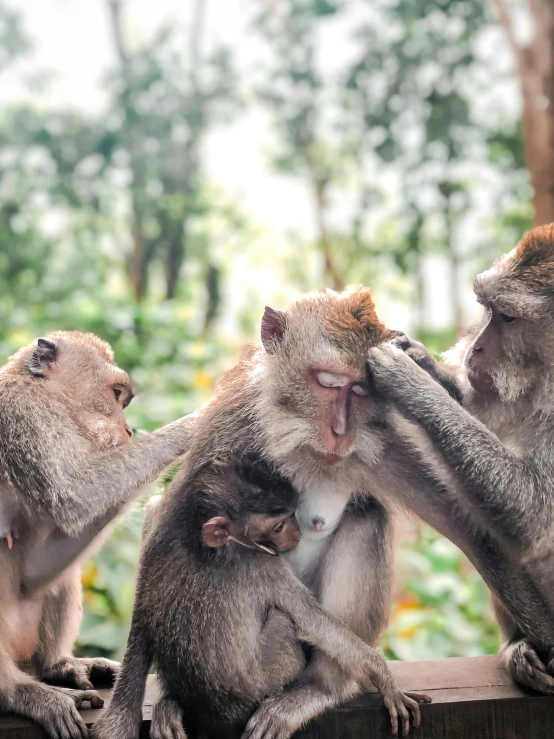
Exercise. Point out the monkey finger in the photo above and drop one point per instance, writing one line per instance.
(404, 717)
(391, 707)
(414, 708)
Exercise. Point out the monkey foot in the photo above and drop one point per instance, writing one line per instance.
(79, 673)
(527, 669)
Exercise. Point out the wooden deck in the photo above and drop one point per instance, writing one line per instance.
(473, 698)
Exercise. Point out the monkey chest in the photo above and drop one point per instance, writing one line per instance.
(319, 514)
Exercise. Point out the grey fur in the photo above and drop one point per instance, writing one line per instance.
(225, 626)
(494, 464)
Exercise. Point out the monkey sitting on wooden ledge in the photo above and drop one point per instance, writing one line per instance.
(223, 617)
(67, 468)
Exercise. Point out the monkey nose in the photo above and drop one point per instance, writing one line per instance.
(318, 522)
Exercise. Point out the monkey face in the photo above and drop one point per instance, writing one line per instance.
(280, 534)
(79, 370)
(315, 357)
(506, 356)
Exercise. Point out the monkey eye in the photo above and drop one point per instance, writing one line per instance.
(280, 526)
(329, 379)
(506, 318)
(117, 393)
(359, 390)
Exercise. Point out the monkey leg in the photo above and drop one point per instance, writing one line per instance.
(52, 708)
(59, 627)
(354, 592)
(167, 720)
(319, 688)
(281, 653)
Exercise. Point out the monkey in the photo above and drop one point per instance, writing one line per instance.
(222, 614)
(495, 450)
(67, 469)
(297, 399)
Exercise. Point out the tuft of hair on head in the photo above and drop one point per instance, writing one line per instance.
(532, 261)
(351, 322)
(85, 341)
(523, 279)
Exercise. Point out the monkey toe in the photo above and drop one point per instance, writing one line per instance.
(528, 669)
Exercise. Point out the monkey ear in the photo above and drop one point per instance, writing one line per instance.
(42, 357)
(215, 532)
(274, 324)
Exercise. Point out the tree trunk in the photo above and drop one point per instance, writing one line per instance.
(535, 66)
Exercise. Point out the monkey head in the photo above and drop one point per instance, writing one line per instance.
(315, 404)
(78, 369)
(516, 343)
(243, 501)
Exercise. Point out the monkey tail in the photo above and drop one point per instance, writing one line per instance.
(526, 667)
(123, 719)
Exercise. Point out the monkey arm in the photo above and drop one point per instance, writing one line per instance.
(58, 475)
(506, 489)
(318, 628)
(424, 359)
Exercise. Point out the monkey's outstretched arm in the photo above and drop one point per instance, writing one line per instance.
(57, 474)
(317, 627)
(481, 462)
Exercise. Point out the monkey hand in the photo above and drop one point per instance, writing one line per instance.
(397, 704)
(270, 722)
(80, 673)
(417, 351)
(393, 375)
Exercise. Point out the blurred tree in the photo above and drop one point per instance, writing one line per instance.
(163, 104)
(408, 86)
(298, 96)
(534, 62)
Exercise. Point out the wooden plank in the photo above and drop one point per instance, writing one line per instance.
(473, 698)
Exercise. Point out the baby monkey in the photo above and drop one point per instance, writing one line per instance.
(223, 615)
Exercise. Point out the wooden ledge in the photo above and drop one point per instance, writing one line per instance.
(473, 698)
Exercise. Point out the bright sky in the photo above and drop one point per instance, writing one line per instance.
(72, 38)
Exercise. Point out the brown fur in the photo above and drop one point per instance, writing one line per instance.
(65, 472)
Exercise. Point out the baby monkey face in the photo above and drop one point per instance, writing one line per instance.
(279, 533)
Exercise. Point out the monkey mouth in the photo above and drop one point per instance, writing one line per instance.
(480, 380)
(329, 458)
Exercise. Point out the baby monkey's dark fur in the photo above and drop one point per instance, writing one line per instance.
(224, 619)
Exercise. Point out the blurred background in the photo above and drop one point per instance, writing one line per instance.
(167, 168)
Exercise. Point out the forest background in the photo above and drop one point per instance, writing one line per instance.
(168, 168)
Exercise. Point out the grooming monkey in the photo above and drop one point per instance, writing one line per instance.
(223, 617)
(496, 452)
(66, 470)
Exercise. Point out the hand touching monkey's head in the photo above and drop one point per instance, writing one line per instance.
(515, 345)
(79, 370)
(314, 362)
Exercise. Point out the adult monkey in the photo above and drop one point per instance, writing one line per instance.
(296, 399)
(65, 472)
(498, 447)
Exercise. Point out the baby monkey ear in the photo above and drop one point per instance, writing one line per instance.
(216, 532)
(274, 324)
